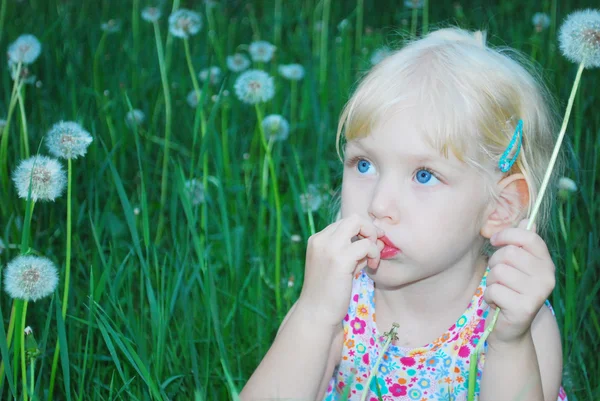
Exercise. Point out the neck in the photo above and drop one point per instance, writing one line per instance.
(420, 301)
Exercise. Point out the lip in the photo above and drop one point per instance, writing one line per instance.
(389, 250)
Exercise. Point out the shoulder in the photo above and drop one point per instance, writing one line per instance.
(546, 339)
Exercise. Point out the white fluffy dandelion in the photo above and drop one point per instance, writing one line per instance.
(312, 199)
(26, 49)
(68, 140)
(238, 62)
(276, 127)
(414, 4)
(254, 86)
(47, 178)
(540, 21)
(184, 23)
(111, 26)
(213, 74)
(579, 37)
(261, 51)
(135, 117)
(567, 184)
(151, 14)
(193, 98)
(379, 55)
(195, 191)
(30, 277)
(293, 72)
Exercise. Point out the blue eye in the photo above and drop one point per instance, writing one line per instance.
(424, 175)
(363, 166)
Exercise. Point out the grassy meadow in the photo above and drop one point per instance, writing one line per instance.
(182, 235)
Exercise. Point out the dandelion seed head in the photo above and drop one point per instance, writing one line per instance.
(151, 14)
(276, 127)
(540, 21)
(567, 184)
(193, 98)
(292, 72)
(254, 86)
(418, 4)
(111, 26)
(312, 199)
(195, 191)
(238, 62)
(26, 49)
(30, 277)
(184, 23)
(261, 51)
(136, 211)
(380, 54)
(68, 140)
(213, 74)
(296, 238)
(47, 177)
(135, 117)
(579, 37)
(28, 330)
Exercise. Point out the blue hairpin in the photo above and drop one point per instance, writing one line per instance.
(505, 163)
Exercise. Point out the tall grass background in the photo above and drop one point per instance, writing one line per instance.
(171, 300)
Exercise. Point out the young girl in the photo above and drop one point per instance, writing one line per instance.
(447, 143)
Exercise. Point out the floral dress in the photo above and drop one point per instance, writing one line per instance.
(437, 371)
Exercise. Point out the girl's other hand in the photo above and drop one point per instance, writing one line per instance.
(333, 256)
(520, 280)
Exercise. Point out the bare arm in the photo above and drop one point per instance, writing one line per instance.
(300, 360)
(530, 369)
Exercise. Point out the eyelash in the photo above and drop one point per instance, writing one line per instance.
(353, 161)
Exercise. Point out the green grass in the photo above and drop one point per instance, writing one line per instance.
(181, 301)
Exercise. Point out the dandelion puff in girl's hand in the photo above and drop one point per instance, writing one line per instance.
(151, 14)
(195, 191)
(276, 127)
(238, 62)
(30, 277)
(213, 74)
(135, 117)
(292, 72)
(184, 23)
(68, 140)
(579, 37)
(254, 86)
(111, 26)
(47, 178)
(26, 49)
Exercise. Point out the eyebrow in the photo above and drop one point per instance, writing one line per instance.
(416, 157)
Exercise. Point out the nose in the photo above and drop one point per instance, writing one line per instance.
(384, 205)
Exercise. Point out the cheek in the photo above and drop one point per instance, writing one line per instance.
(355, 198)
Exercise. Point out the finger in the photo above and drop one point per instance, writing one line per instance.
(356, 225)
(518, 258)
(510, 277)
(365, 249)
(519, 237)
(498, 295)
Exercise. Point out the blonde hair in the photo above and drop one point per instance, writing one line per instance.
(469, 98)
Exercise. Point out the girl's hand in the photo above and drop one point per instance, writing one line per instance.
(333, 256)
(520, 280)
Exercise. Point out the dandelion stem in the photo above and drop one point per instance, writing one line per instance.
(167, 97)
(391, 335)
(22, 347)
(475, 355)
(275, 189)
(32, 384)
(25, 136)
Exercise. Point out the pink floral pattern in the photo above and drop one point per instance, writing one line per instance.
(437, 371)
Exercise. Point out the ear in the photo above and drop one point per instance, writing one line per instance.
(509, 209)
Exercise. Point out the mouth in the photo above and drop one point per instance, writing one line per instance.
(389, 249)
